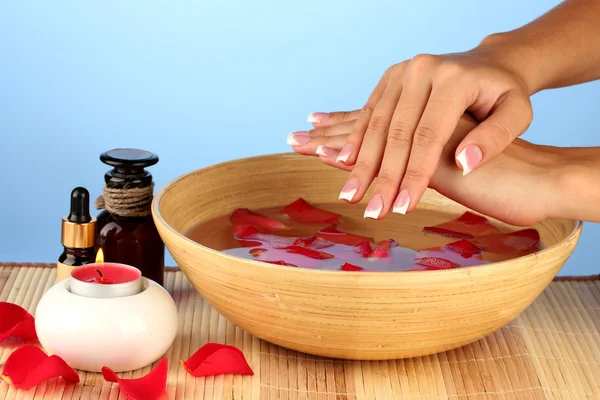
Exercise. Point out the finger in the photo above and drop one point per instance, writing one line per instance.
(322, 145)
(349, 154)
(372, 148)
(510, 119)
(343, 128)
(415, 93)
(320, 119)
(330, 159)
(439, 120)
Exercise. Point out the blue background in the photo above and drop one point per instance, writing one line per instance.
(200, 82)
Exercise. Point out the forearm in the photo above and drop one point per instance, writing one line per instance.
(560, 48)
(577, 184)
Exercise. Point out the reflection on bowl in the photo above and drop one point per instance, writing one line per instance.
(371, 315)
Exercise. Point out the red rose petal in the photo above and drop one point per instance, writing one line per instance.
(301, 211)
(277, 242)
(280, 262)
(257, 252)
(364, 248)
(249, 243)
(152, 386)
(217, 359)
(465, 248)
(244, 231)
(467, 226)
(339, 237)
(243, 216)
(313, 242)
(16, 321)
(29, 366)
(319, 255)
(382, 249)
(350, 267)
(436, 263)
(515, 242)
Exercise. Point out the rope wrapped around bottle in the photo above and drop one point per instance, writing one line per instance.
(126, 202)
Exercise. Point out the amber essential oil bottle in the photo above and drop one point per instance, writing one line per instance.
(78, 235)
(125, 230)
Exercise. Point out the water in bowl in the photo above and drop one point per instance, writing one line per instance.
(337, 237)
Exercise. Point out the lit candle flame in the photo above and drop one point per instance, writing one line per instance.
(100, 256)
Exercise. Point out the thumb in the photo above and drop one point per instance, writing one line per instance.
(508, 120)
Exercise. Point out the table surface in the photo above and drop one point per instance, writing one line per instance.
(551, 351)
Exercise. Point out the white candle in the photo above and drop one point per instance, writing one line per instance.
(106, 280)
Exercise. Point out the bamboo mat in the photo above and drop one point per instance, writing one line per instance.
(552, 351)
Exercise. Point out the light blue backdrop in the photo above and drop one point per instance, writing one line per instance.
(201, 82)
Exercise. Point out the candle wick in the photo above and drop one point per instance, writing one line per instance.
(99, 273)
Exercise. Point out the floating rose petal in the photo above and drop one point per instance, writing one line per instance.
(364, 248)
(436, 263)
(313, 242)
(29, 366)
(152, 386)
(280, 262)
(515, 242)
(301, 211)
(277, 242)
(257, 252)
(249, 243)
(319, 255)
(243, 216)
(339, 237)
(244, 231)
(350, 267)
(467, 226)
(382, 249)
(217, 359)
(390, 242)
(16, 321)
(465, 248)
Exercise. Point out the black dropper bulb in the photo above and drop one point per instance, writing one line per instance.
(80, 206)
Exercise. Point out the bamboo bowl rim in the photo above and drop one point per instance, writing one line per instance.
(155, 208)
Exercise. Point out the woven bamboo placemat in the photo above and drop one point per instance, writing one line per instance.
(551, 351)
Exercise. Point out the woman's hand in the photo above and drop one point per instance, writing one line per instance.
(521, 186)
(400, 133)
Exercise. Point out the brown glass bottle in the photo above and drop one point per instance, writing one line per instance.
(131, 240)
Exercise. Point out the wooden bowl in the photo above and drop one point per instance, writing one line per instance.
(366, 315)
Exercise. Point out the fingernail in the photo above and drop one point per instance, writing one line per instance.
(344, 154)
(374, 207)
(318, 117)
(469, 158)
(402, 202)
(325, 151)
(349, 190)
(298, 138)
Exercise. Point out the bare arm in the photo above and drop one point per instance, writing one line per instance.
(560, 48)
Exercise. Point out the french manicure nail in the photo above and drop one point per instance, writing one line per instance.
(402, 202)
(318, 117)
(325, 151)
(374, 207)
(344, 154)
(349, 190)
(469, 158)
(298, 138)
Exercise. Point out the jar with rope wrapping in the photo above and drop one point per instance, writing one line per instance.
(125, 230)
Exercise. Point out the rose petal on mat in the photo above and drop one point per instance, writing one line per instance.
(350, 267)
(467, 226)
(514, 242)
(303, 212)
(249, 243)
(436, 263)
(316, 254)
(465, 248)
(217, 359)
(280, 262)
(257, 252)
(152, 386)
(16, 321)
(29, 366)
(244, 231)
(339, 237)
(364, 248)
(243, 216)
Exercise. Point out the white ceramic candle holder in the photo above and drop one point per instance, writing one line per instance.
(123, 333)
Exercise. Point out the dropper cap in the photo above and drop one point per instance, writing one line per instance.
(79, 227)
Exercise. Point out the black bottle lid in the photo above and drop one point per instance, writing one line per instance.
(128, 167)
